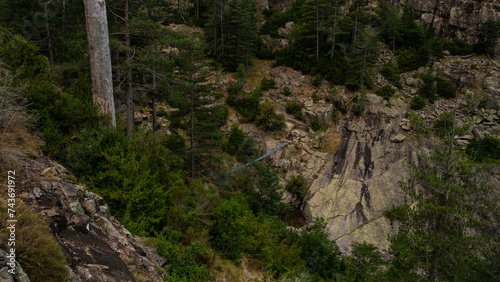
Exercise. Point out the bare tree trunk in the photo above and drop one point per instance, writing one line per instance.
(334, 29)
(221, 27)
(130, 92)
(317, 30)
(100, 57)
(355, 32)
(363, 71)
(49, 42)
(192, 116)
(64, 16)
(154, 99)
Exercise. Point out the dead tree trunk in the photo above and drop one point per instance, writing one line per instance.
(154, 100)
(130, 92)
(100, 57)
(49, 39)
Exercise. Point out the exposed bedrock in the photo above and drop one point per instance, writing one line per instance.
(455, 18)
(361, 180)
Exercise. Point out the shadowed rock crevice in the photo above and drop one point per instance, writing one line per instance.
(364, 178)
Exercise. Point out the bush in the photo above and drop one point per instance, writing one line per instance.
(386, 92)
(407, 60)
(113, 166)
(484, 150)
(315, 124)
(417, 103)
(287, 92)
(267, 84)
(428, 90)
(318, 252)
(446, 89)
(247, 104)
(359, 104)
(444, 124)
(184, 263)
(390, 72)
(228, 229)
(297, 186)
(294, 108)
(317, 80)
(37, 251)
(268, 240)
(267, 118)
(235, 140)
(458, 47)
(365, 263)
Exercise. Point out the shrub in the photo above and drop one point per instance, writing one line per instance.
(428, 90)
(365, 263)
(359, 104)
(228, 229)
(397, 212)
(407, 60)
(297, 186)
(247, 104)
(287, 92)
(235, 140)
(267, 84)
(37, 251)
(106, 159)
(386, 92)
(267, 118)
(184, 263)
(317, 80)
(444, 124)
(315, 96)
(294, 108)
(315, 124)
(458, 47)
(318, 252)
(390, 72)
(484, 150)
(446, 89)
(268, 240)
(417, 103)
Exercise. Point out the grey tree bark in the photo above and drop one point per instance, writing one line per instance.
(130, 90)
(100, 57)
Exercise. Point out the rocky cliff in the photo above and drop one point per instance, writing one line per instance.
(455, 18)
(361, 180)
(97, 247)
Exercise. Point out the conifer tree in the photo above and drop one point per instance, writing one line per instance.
(450, 232)
(193, 95)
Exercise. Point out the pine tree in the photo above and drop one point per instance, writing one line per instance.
(364, 55)
(231, 31)
(194, 97)
(450, 231)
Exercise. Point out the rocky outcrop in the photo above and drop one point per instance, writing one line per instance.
(360, 182)
(96, 245)
(19, 275)
(455, 18)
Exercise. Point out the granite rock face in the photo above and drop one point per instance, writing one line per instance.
(455, 18)
(96, 245)
(360, 182)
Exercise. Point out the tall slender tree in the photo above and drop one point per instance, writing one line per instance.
(450, 231)
(100, 57)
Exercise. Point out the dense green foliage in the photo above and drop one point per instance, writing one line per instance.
(445, 234)
(484, 150)
(385, 92)
(172, 187)
(294, 108)
(268, 119)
